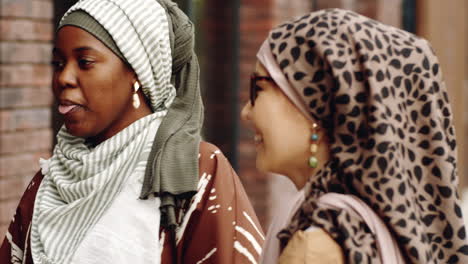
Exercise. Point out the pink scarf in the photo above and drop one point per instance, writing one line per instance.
(387, 246)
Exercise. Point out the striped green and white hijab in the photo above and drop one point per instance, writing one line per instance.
(80, 185)
(83, 181)
(141, 31)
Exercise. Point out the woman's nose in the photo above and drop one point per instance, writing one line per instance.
(66, 77)
(245, 113)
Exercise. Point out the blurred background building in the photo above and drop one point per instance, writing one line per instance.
(229, 33)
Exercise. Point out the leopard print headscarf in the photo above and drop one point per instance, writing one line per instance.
(379, 94)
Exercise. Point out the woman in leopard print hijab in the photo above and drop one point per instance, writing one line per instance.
(378, 94)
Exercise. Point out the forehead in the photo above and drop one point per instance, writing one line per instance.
(72, 37)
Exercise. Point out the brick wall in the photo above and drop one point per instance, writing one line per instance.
(256, 19)
(285, 10)
(25, 96)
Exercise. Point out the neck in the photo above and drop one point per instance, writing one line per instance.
(301, 176)
(130, 117)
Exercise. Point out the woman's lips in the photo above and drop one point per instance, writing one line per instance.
(65, 109)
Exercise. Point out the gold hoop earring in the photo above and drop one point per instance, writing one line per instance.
(136, 99)
(313, 161)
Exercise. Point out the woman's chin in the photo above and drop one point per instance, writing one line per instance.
(77, 130)
(263, 164)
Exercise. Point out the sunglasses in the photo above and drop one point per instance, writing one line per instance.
(254, 88)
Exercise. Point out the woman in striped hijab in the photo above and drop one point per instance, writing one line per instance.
(356, 114)
(130, 180)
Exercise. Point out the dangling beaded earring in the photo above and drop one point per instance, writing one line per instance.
(136, 99)
(313, 161)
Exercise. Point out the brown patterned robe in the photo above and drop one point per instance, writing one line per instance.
(220, 225)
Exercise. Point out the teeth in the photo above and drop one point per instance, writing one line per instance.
(258, 139)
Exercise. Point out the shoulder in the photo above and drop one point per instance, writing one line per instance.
(312, 246)
(211, 160)
(17, 234)
(29, 194)
(220, 215)
(215, 169)
(206, 147)
(26, 204)
(209, 151)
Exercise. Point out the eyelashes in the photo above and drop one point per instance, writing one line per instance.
(82, 63)
(85, 63)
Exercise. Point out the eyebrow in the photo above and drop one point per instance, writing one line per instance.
(85, 48)
(79, 49)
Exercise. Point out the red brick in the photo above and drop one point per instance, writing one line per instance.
(16, 52)
(42, 10)
(13, 188)
(23, 29)
(251, 42)
(250, 52)
(27, 9)
(287, 11)
(23, 119)
(247, 65)
(252, 13)
(260, 26)
(43, 31)
(25, 75)
(3, 229)
(21, 164)
(7, 210)
(23, 142)
(15, 8)
(26, 32)
(25, 97)
(265, 4)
